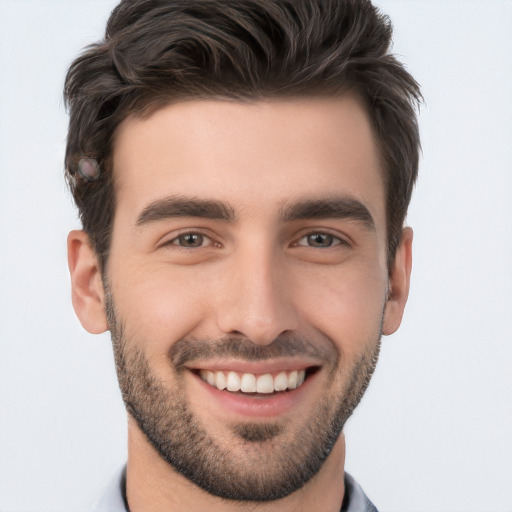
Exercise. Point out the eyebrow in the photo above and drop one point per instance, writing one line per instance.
(331, 208)
(181, 206)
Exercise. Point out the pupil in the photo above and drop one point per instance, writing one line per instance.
(192, 240)
(320, 240)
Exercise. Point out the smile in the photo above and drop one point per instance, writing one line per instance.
(252, 383)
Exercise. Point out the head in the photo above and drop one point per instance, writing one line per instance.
(245, 231)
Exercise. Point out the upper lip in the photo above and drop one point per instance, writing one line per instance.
(255, 367)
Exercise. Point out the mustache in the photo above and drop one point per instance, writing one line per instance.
(187, 350)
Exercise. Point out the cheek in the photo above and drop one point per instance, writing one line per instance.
(159, 306)
(347, 307)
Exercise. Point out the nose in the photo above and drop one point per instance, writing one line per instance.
(256, 299)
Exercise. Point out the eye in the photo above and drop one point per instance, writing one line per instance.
(319, 240)
(191, 240)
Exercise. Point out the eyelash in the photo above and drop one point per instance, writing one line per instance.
(334, 240)
(203, 237)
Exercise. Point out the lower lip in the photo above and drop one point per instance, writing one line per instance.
(263, 406)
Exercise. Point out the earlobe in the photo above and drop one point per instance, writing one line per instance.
(399, 280)
(87, 292)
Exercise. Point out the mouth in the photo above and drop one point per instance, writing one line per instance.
(253, 384)
(253, 390)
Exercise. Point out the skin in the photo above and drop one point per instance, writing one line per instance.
(256, 276)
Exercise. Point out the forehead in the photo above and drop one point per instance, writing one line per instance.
(257, 155)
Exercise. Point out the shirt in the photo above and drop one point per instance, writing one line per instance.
(114, 498)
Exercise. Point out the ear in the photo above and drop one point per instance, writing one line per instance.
(399, 280)
(87, 292)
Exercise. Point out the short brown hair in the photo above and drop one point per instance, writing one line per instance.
(160, 51)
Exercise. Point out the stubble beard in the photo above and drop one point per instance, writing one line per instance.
(255, 461)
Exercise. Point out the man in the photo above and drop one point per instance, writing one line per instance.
(242, 172)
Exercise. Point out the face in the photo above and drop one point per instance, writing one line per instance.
(247, 285)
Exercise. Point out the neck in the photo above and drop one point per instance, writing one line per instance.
(152, 485)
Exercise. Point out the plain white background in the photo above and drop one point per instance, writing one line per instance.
(433, 433)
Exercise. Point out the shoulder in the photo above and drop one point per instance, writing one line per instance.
(355, 499)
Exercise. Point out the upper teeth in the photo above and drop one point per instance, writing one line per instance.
(251, 383)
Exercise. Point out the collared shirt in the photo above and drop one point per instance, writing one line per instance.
(114, 498)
